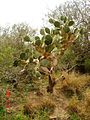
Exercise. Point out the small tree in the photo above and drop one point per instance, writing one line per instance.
(50, 45)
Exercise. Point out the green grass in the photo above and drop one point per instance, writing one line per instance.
(41, 115)
(74, 116)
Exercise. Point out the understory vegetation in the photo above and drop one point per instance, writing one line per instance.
(46, 76)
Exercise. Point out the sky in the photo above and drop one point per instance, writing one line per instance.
(28, 11)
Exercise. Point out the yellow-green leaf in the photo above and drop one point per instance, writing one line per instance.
(66, 29)
(42, 32)
(38, 42)
(27, 39)
(57, 24)
(49, 48)
(37, 38)
(70, 23)
(48, 39)
(47, 30)
(51, 20)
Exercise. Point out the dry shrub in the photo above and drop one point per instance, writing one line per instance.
(78, 82)
(77, 88)
(74, 84)
(76, 106)
(87, 96)
(48, 104)
(73, 103)
(68, 92)
(86, 103)
(81, 107)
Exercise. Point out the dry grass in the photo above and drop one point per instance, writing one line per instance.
(78, 86)
(76, 89)
(74, 82)
(75, 86)
(81, 107)
(35, 103)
